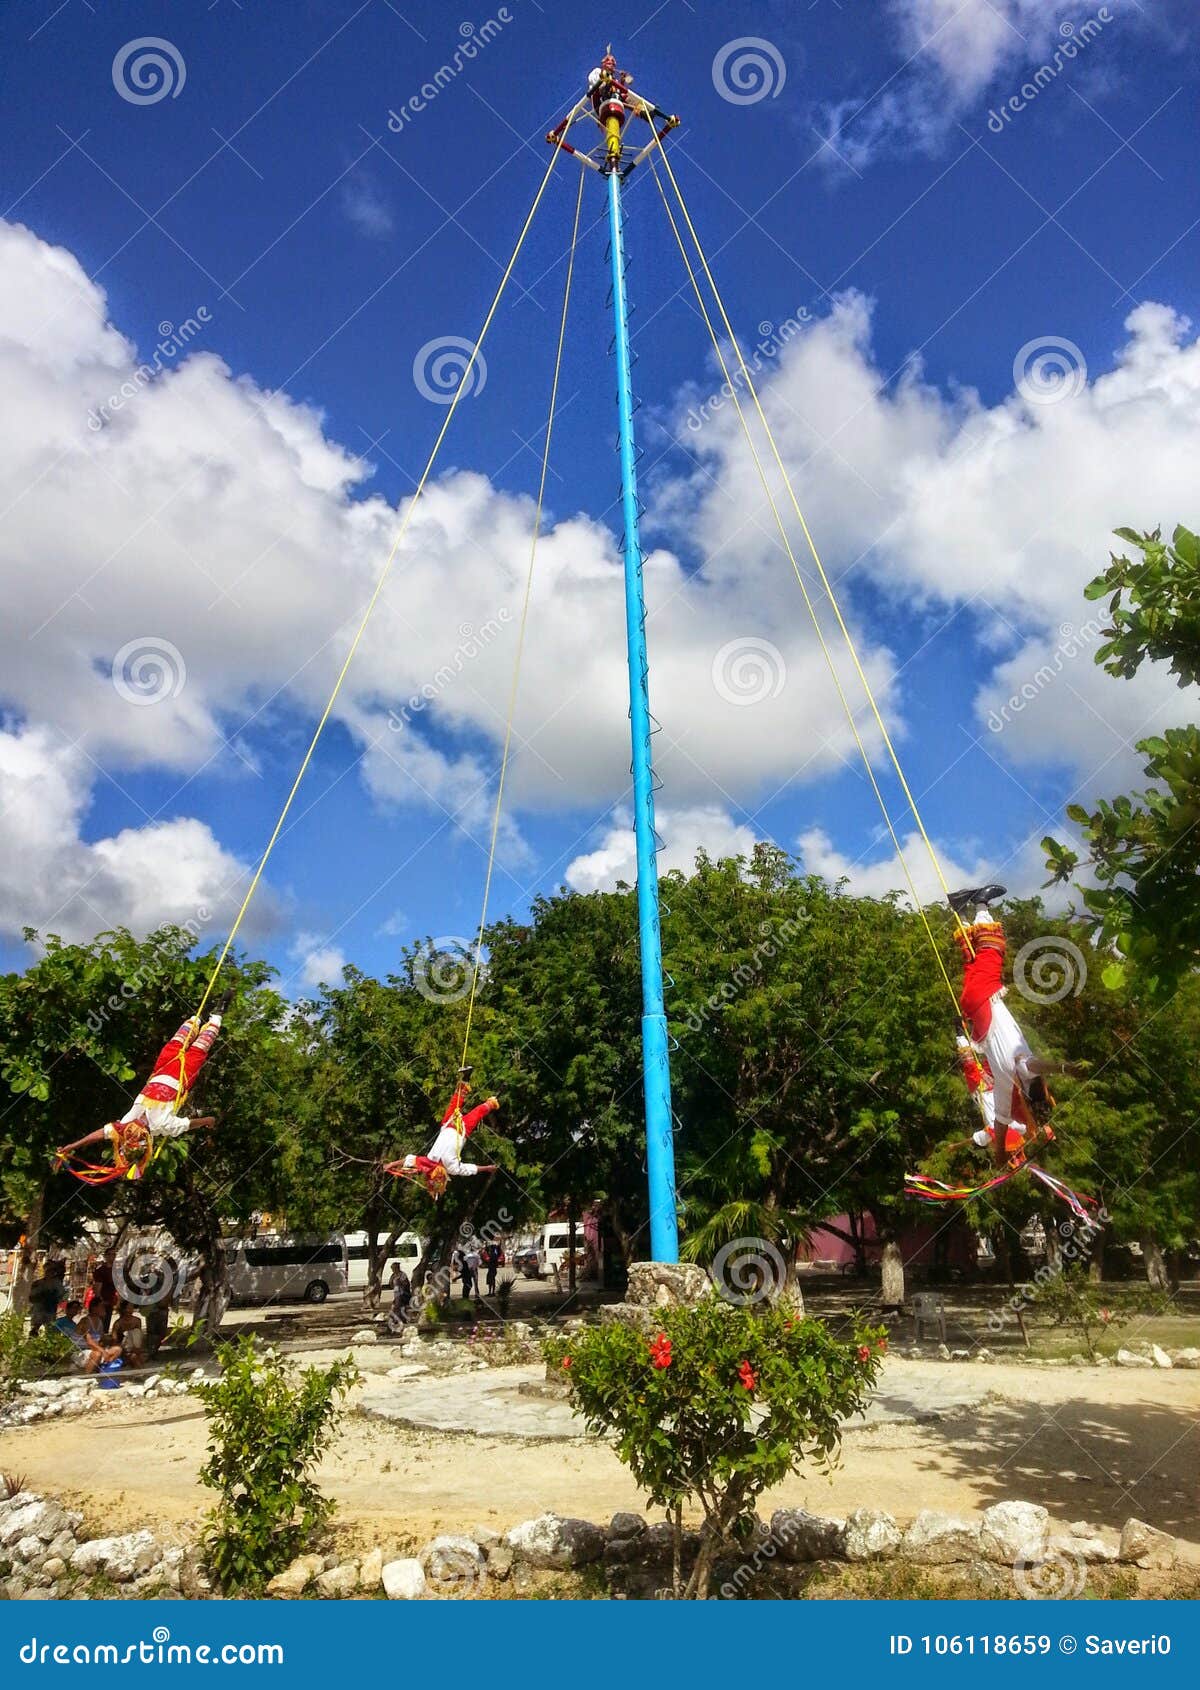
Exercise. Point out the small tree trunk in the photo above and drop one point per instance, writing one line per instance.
(571, 1246)
(1152, 1258)
(1096, 1261)
(892, 1294)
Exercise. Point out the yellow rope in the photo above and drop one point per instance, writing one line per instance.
(379, 585)
(516, 674)
(816, 556)
(787, 545)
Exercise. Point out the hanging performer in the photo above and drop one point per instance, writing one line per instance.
(444, 1159)
(1018, 1076)
(979, 1082)
(156, 1112)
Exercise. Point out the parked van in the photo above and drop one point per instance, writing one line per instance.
(554, 1248)
(274, 1268)
(408, 1251)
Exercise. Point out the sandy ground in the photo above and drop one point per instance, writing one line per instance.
(1095, 1445)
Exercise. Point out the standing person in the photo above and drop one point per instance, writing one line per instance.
(474, 1258)
(45, 1294)
(492, 1258)
(104, 1300)
(401, 1288)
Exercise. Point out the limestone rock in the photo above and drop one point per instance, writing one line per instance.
(1159, 1357)
(626, 1526)
(294, 1580)
(53, 1568)
(1082, 1547)
(28, 1549)
(118, 1558)
(365, 1335)
(1146, 1545)
(404, 1581)
(684, 1284)
(370, 1570)
(406, 1370)
(936, 1540)
(339, 1582)
(453, 1562)
(802, 1536)
(1129, 1358)
(35, 1517)
(1186, 1358)
(554, 1542)
(500, 1562)
(943, 1352)
(1014, 1531)
(870, 1535)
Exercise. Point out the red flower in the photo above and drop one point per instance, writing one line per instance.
(864, 1352)
(747, 1376)
(1106, 1315)
(566, 1361)
(660, 1351)
(881, 1346)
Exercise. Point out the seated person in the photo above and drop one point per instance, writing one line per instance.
(90, 1354)
(130, 1334)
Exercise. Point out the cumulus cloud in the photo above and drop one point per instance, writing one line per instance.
(952, 53)
(317, 963)
(141, 877)
(684, 832)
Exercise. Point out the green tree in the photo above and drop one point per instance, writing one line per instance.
(1144, 849)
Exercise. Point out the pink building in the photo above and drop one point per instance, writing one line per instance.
(923, 1244)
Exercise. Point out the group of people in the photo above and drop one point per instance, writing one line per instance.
(107, 1332)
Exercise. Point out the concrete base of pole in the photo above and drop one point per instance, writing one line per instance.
(654, 1286)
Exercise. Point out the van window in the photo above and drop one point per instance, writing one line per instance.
(559, 1241)
(291, 1255)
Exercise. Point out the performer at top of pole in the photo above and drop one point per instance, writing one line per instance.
(610, 101)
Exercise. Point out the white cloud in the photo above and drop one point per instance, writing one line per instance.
(1021, 868)
(954, 53)
(318, 963)
(141, 877)
(366, 208)
(684, 832)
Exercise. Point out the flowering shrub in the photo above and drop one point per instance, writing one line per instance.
(718, 1406)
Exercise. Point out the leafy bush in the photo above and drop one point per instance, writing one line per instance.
(718, 1406)
(25, 1357)
(267, 1430)
(1071, 1300)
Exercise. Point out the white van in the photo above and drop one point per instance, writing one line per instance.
(409, 1249)
(554, 1248)
(274, 1268)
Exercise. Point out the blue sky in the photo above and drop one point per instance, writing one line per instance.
(871, 177)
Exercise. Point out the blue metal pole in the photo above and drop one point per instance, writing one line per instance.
(656, 1065)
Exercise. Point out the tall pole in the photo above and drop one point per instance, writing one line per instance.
(656, 1065)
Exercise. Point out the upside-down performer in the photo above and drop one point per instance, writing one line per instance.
(1003, 1075)
(157, 1111)
(444, 1161)
(1018, 1076)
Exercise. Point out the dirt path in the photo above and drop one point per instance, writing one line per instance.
(1094, 1445)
